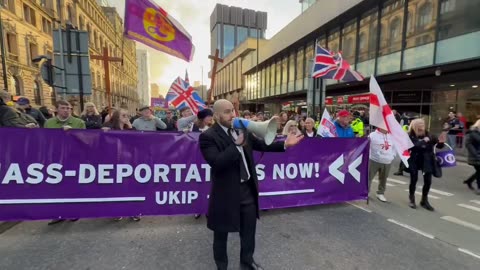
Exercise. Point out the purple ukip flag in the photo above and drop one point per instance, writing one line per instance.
(151, 25)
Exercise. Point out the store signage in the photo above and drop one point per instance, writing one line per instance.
(329, 101)
(359, 99)
(340, 100)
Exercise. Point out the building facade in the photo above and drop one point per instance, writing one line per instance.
(28, 29)
(230, 26)
(143, 84)
(424, 53)
(27, 33)
(155, 88)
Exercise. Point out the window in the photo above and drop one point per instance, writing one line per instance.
(70, 16)
(242, 34)
(425, 15)
(29, 15)
(459, 31)
(17, 85)
(447, 6)
(37, 93)
(46, 26)
(291, 67)
(391, 29)
(395, 30)
(461, 18)
(81, 25)
(33, 49)
(349, 40)
(309, 59)
(228, 39)
(334, 41)
(424, 31)
(284, 73)
(278, 76)
(12, 46)
(10, 5)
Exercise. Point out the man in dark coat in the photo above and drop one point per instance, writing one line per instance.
(233, 204)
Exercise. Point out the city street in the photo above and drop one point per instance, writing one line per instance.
(375, 236)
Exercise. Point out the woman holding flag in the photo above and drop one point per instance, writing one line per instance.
(422, 158)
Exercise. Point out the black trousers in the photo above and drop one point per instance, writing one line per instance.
(248, 225)
(427, 182)
(475, 176)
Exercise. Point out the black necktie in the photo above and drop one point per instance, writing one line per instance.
(243, 170)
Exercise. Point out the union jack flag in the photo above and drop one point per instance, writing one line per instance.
(330, 66)
(181, 95)
(324, 62)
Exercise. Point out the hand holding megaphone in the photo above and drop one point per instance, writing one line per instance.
(266, 130)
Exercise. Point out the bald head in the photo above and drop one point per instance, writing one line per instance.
(221, 105)
(223, 112)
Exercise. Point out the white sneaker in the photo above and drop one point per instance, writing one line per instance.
(381, 197)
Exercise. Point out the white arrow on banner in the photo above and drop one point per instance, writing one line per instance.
(352, 168)
(334, 169)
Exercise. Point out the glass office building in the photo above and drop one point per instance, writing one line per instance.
(230, 26)
(424, 53)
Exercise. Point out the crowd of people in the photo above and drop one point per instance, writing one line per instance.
(349, 124)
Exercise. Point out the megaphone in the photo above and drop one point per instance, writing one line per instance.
(266, 130)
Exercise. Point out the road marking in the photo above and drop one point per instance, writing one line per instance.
(73, 200)
(287, 192)
(397, 181)
(466, 251)
(439, 192)
(360, 207)
(469, 207)
(461, 222)
(475, 201)
(429, 196)
(413, 229)
(388, 185)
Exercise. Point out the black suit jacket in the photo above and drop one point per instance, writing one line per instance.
(220, 152)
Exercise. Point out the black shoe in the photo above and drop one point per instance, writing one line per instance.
(425, 204)
(197, 216)
(55, 221)
(250, 266)
(398, 173)
(73, 220)
(136, 218)
(469, 184)
(412, 202)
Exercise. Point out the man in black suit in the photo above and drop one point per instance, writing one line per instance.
(233, 203)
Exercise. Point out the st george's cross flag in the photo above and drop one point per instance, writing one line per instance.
(382, 117)
(181, 95)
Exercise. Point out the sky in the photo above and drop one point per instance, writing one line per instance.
(194, 15)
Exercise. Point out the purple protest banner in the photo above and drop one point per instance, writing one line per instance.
(151, 25)
(47, 174)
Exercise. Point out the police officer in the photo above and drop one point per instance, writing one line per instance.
(357, 125)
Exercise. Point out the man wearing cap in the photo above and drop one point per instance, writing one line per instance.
(23, 104)
(10, 117)
(342, 124)
(148, 122)
(170, 121)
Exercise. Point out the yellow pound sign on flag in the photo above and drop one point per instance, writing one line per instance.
(158, 26)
